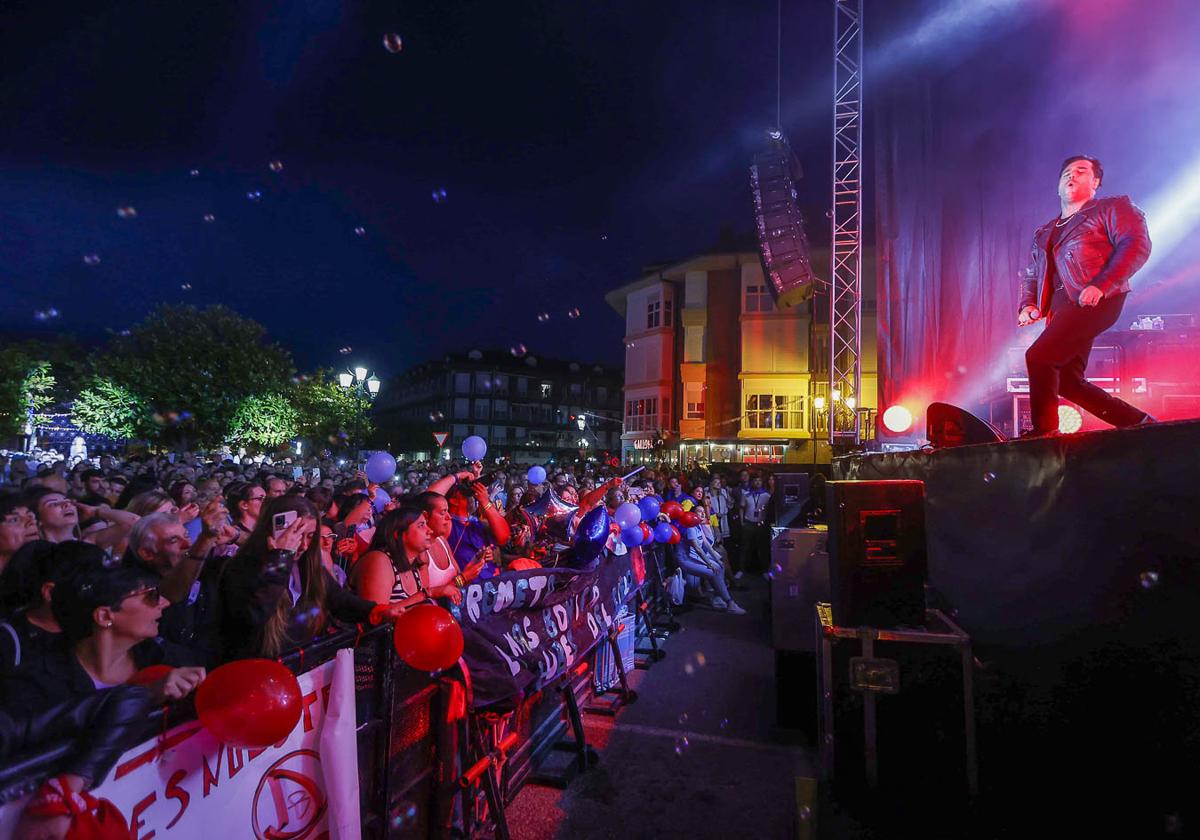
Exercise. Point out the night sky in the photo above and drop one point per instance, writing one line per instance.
(575, 142)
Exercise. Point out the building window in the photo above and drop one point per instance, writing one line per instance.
(460, 431)
(601, 394)
(522, 384)
(666, 413)
(774, 411)
(462, 408)
(499, 432)
(500, 409)
(483, 409)
(501, 384)
(758, 299)
(667, 313)
(653, 312)
(641, 415)
(546, 390)
(483, 381)
(462, 383)
(693, 395)
(575, 389)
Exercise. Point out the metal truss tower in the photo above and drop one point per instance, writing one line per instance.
(845, 293)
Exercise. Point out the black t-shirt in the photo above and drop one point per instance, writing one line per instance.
(1052, 280)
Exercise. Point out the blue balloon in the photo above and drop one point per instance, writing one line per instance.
(536, 475)
(663, 532)
(474, 448)
(632, 537)
(381, 500)
(595, 527)
(628, 515)
(381, 467)
(649, 507)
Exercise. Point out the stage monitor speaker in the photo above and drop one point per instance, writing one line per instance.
(781, 237)
(877, 555)
(791, 492)
(948, 425)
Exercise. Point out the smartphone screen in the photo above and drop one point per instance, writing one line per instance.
(281, 522)
(297, 472)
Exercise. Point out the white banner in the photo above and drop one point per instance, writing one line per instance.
(187, 785)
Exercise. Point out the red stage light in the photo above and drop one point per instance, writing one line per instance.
(1069, 419)
(897, 419)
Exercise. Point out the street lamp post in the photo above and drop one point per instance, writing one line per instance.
(365, 387)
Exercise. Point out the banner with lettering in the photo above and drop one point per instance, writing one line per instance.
(186, 784)
(523, 629)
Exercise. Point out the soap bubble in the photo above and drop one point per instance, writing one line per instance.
(275, 166)
(126, 212)
(604, 237)
(210, 218)
(404, 817)
(543, 317)
(346, 351)
(360, 231)
(689, 668)
(724, 724)
(1148, 580)
(989, 477)
(46, 314)
(195, 173)
(683, 718)
(573, 313)
(805, 813)
(439, 195)
(187, 287)
(91, 259)
(681, 745)
(518, 350)
(254, 195)
(393, 43)
(436, 417)
(701, 659)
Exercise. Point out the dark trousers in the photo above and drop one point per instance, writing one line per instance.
(756, 547)
(1057, 360)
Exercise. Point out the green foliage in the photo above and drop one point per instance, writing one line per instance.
(108, 408)
(204, 362)
(326, 408)
(25, 383)
(263, 420)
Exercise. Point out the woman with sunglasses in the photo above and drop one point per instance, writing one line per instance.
(109, 615)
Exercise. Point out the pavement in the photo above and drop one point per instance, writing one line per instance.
(697, 756)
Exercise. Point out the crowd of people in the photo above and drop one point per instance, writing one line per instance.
(111, 566)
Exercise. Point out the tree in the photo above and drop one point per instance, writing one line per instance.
(110, 409)
(263, 420)
(26, 384)
(197, 364)
(325, 408)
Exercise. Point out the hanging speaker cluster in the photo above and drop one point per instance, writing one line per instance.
(781, 238)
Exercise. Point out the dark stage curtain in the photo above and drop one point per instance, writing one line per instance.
(971, 116)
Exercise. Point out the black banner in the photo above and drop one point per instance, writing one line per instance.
(524, 629)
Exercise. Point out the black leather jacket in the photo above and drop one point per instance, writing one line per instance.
(1102, 245)
(104, 725)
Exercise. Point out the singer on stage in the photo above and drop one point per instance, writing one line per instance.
(1077, 279)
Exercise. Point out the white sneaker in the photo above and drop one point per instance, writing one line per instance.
(734, 609)
(718, 603)
(737, 576)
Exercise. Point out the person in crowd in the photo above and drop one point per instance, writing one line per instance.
(274, 486)
(718, 508)
(470, 534)
(756, 530)
(675, 491)
(438, 566)
(101, 727)
(390, 571)
(328, 540)
(276, 593)
(18, 525)
(182, 493)
(813, 509)
(187, 575)
(244, 501)
(696, 557)
(58, 520)
(109, 616)
(95, 488)
(26, 586)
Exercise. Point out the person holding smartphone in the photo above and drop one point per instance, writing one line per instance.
(276, 593)
(391, 570)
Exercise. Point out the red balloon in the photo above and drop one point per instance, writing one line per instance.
(647, 533)
(249, 703)
(671, 509)
(149, 674)
(428, 638)
(675, 536)
(689, 519)
(522, 564)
